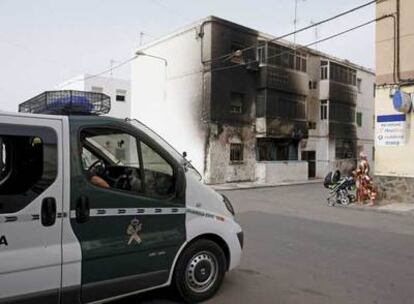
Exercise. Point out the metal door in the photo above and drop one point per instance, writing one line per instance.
(129, 239)
(30, 209)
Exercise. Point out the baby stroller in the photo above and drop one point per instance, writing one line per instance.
(339, 188)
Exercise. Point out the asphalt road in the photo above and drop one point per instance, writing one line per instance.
(298, 250)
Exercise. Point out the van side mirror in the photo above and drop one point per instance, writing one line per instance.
(185, 154)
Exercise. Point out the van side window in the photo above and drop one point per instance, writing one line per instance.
(116, 160)
(159, 174)
(110, 159)
(28, 165)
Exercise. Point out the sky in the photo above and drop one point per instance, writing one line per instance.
(45, 42)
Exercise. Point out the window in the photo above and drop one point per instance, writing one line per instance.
(324, 109)
(236, 103)
(342, 74)
(277, 149)
(324, 69)
(236, 152)
(97, 89)
(159, 174)
(28, 165)
(359, 84)
(304, 67)
(359, 119)
(238, 57)
(311, 125)
(261, 54)
(313, 85)
(286, 57)
(261, 103)
(344, 149)
(121, 95)
(111, 159)
(4, 158)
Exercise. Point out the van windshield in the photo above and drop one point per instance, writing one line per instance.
(167, 146)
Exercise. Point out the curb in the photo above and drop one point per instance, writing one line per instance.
(378, 210)
(222, 187)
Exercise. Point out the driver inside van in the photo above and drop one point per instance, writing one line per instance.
(91, 173)
(99, 181)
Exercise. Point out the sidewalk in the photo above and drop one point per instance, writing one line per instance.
(393, 208)
(255, 185)
(384, 207)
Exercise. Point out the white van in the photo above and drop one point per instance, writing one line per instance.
(94, 208)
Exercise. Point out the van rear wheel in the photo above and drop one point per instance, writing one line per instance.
(200, 271)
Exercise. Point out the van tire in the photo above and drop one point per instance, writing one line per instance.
(200, 271)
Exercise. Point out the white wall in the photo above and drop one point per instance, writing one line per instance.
(109, 85)
(169, 98)
(281, 171)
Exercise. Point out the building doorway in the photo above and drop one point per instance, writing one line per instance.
(310, 157)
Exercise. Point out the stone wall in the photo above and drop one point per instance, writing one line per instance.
(395, 189)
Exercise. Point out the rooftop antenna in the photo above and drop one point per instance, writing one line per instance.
(111, 63)
(295, 21)
(316, 33)
(141, 38)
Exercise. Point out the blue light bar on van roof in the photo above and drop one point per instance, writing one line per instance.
(67, 102)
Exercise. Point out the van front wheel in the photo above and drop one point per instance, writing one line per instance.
(200, 271)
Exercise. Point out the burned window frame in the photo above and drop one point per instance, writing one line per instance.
(277, 149)
(236, 153)
(237, 104)
(345, 149)
(278, 55)
(342, 74)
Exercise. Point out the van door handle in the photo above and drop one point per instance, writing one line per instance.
(48, 213)
(82, 210)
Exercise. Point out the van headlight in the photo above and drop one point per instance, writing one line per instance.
(228, 205)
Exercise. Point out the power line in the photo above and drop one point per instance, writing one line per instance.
(307, 45)
(271, 40)
(285, 52)
(301, 29)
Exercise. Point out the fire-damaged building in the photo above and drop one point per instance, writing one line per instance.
(246, 108)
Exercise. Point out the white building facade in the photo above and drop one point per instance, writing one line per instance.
(118, 89)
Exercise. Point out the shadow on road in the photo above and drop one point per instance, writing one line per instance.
(161, 296)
